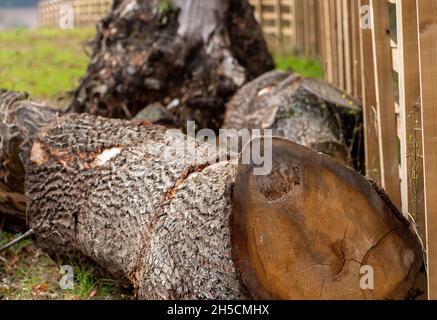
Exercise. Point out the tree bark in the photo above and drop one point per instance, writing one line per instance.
(181, 229)
(163, 224)
(307, 111)
(20, 120)
(188, 55)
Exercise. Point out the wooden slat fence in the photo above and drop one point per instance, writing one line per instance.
(383, 52)
(86, 12)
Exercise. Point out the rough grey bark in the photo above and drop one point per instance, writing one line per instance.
(188, 55)
(307, 111)
(162, 224)
(102, 187)
(19, 121)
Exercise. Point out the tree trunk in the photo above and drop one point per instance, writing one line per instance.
(20, 120)
(188, 55)
(307, 111)
(315, 229)
(120, 193)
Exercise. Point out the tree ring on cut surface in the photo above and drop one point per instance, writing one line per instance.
(306, 230)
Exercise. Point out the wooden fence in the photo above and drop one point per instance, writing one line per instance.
(384, 52)
(290, 25)
(84, 12)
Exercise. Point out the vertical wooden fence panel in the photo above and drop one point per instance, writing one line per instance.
(427, 13)
(327, 40)
(387, 130)
(278, 20)
(347, 40)
(340, 44)
(371, 140)
(312, 31)
(411, 123)
(356, 56)
(334, 42)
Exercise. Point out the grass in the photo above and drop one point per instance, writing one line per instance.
(29, 273)
(45, 63)
(310, 68)
(49, 63)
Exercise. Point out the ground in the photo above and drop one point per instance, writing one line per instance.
(48, 64)
(29, 273)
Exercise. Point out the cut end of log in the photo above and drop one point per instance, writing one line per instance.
(313, 229)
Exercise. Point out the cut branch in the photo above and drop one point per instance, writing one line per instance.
(27, 234)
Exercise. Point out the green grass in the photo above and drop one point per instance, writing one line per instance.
(45, 63)
(29, 273)
(49, 63)
(306, 67)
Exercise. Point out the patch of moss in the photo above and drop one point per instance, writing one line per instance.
(165, 8)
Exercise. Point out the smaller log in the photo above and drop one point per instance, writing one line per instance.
(307, 111)
(20, 119)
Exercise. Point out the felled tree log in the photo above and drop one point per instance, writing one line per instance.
(20, 120)
(113, 190)
(307, 111)
(189, 55)
(335, 227)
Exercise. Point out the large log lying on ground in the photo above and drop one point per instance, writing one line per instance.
(307, 111)
(188, 55)
(200, 228)
(16, 130)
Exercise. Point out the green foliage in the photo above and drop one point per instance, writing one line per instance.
(45, 63)
(310, 68)
(165, 7)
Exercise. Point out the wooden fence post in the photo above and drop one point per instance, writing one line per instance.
(410, 116)
(347, 40)
(340, 44)
(427, 25)
(372, 159)
(387, 130)
(356, 57)
(278, 21)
